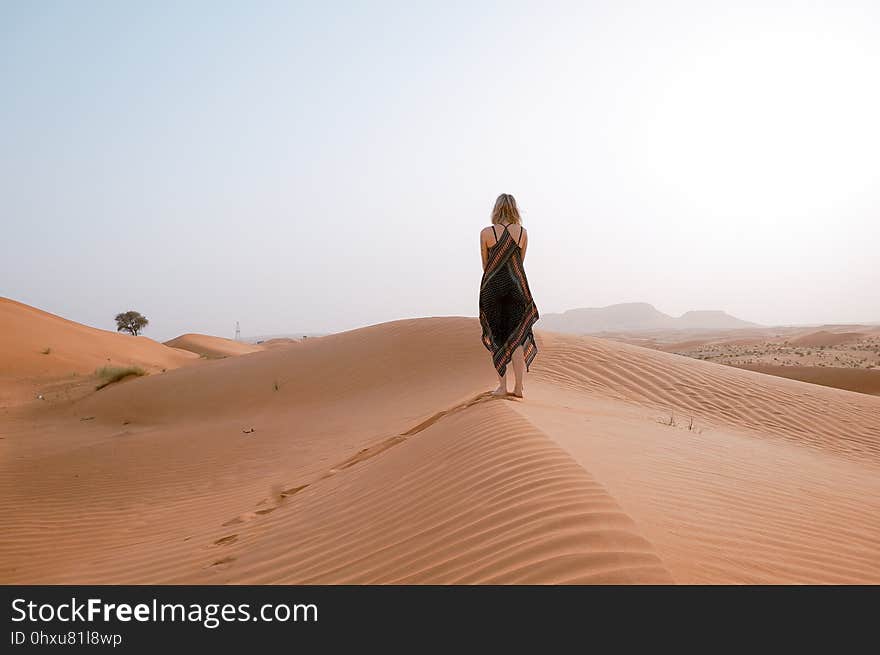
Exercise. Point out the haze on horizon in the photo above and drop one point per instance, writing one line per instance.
(314, 168)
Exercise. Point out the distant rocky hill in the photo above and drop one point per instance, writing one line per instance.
(635, 316)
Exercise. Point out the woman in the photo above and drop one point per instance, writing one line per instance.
(507, 311)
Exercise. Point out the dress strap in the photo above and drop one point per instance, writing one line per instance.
(520, 235)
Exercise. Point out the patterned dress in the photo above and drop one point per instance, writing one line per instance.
(507, 311)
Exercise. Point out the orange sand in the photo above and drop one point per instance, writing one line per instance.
(212, 347)
(358, 458)
(278, 342)
(852, 379)
(39, 351)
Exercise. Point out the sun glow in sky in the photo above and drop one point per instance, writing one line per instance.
(322, 166)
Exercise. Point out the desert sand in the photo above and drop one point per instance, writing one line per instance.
(210, 347)
(41, 353)
(377, 456)
(852, 379)
(278, 342)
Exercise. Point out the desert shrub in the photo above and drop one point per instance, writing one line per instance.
(111, 374)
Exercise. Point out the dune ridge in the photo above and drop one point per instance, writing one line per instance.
(210, 346)
(505, 506)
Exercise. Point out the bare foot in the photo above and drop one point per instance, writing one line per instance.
(500, 391)
(518, 392)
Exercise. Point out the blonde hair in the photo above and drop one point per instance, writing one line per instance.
(505, 210)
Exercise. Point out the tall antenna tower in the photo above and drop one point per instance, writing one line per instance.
(237, 332)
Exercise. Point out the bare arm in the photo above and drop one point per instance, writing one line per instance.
(484, 249)
(525, 244)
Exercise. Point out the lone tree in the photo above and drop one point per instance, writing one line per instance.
(131, 322)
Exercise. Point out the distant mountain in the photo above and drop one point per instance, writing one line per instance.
(627, 317)
(711, 319)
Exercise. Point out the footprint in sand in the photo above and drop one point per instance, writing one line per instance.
(287, 493)
(279, 494)
(228, 539)
(241, 518)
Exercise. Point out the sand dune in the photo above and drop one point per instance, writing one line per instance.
(375, 455)
(853, 379)
(825, 338)
(212, 347)
(38, 347)
(803, 414)
(482, 497)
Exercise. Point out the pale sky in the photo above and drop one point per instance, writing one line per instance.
(313, 167)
